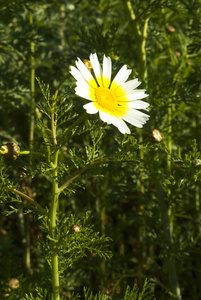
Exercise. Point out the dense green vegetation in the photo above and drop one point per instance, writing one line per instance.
(87, 212)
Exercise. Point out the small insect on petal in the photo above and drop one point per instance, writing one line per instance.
(76, 228)
(157, 136)
(87, 64)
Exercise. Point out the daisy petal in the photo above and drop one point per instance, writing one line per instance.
(90, 108)
(138, 104)
(96, 67)
(121, 77)
(121, 125)
(136, 118)
(107, 69)
(83, 70)
(131, 85)
(84, 93)
(105, 117)
(76, 74)
(137, 94)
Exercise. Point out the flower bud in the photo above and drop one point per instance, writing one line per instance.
(157, 135)
(14, 283)
(10, 151)
(76, 228)
(170, 28)
(197, 163)
(177, 53)
(38, 113)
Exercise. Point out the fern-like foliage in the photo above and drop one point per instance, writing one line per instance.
(41, 294)
(130, 294)
(135, 294)
(73, 245)
(88, 295)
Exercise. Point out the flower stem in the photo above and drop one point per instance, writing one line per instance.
(32, 87)
(54, 206)
(27, 152)
(102, 160)
(26, 222)
(52, 229)
(140, 36)
(54, 201)
(30, 200)
(53, 125)
(76, 123)
(167, 231)
(168, 213)
(87, 167)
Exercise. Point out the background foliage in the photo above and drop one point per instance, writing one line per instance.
(130, 196)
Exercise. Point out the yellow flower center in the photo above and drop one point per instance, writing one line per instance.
(106, 99)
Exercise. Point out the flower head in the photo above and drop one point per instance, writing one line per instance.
(10, 151)
(117, 100)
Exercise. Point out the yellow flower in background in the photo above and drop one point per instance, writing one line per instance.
(116, 101)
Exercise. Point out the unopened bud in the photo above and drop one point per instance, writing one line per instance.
(177, 53)
(14, 283)
(10, 151)
(38, 113)
(87, 64)
(170, 28)
(76, 228)
(197, 162)
(157, 136)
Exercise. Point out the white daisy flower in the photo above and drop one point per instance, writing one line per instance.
(116, 101)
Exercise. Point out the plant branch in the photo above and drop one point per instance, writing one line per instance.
(52, 229)
(76, 123)
(30, 200)
(53, 127)
(89, 166)
(140, 37)
(32, 87)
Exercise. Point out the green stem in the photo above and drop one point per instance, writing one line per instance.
(59, 85)
(76, 123)
(38, 116)
(143, 65)
(55, 197)
(170, 51)
(169, 137)
(27, 152)
(167, 231)
(52, 228)
(27, 256)
(54, 207)
(167, 213)
(132, 16)
(140, 37)
(32, 87)
(89, 166)
(30, 200)
(53, 125)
